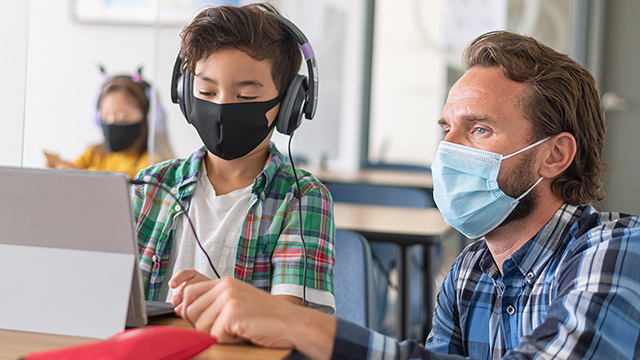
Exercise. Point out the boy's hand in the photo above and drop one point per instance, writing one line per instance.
(234, 311)
(182, 279)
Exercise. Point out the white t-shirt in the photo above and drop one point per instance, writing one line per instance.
(218, 220)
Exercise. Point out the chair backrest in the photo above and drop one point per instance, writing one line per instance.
(373, 194)
(398, 167)
(353, 279)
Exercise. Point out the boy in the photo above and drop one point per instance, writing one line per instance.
(237, 190)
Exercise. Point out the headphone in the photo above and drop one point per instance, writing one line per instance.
(300, 98)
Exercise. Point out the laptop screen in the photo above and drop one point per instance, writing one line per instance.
(68, 253)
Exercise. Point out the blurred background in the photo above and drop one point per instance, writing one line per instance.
(385, 69)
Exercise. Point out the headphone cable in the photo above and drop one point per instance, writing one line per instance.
(163, 187)
(304, 245)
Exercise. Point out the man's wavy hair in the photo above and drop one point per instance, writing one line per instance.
(561, 96)
(246, 28)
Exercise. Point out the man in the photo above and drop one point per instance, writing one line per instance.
(550, 277)
(246, 206)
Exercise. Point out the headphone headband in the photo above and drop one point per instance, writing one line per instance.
(309, 56)
(301, 96)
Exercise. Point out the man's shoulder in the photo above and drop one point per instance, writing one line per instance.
(593, 228)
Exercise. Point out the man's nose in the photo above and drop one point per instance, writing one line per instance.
(454, 135)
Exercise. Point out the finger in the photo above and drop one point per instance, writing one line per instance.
(182, 276)
(176, 298)
(204, 311)
(193, 292)
(225, 327)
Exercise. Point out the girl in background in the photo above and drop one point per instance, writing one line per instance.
(122, 112)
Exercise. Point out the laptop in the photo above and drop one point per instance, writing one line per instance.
(68, 253)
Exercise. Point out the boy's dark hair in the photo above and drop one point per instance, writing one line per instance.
(561, 96)
(246, 28)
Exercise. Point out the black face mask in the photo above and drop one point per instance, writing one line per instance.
(120, 137)
(230, 131)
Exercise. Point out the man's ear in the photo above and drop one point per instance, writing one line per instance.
(559, 155)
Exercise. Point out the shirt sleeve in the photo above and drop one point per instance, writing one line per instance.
(87, 159)
(318, 234)
(356, 342)
(446, 334)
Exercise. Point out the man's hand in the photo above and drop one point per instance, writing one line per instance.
(234, 311)
(182, 279)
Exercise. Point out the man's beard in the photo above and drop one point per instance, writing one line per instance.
(516, 183)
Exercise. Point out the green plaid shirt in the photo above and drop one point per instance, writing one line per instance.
(269, 249)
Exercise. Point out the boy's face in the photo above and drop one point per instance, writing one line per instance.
(232, 76)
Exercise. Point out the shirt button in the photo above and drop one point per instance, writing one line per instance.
(190, 187)
(530, 276)
(178, 208)
(511, 310)
(154, 258)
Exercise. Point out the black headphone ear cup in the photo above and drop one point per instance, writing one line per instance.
(183, 94)
(290, 113)
(181, 86)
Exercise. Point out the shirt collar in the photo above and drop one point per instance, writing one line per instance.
(274, 161)
(271, 167)
(186, 183)
(535, 253)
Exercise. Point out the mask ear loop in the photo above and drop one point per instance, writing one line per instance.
(531, 188)
(523, 150)
(527, 148)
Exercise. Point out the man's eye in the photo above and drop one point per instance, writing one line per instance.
(481, 131)
(206, 93)
(246, 97)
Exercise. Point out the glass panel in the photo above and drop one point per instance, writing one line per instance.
(416, 59)
(66, 49)
(14, 26)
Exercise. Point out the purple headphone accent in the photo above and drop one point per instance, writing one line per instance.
(307, 51)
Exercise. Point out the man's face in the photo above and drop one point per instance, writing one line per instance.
(231, 76)
(483, 112)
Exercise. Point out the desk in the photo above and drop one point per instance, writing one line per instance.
(416, 179)
(14, 344)
(405, 227)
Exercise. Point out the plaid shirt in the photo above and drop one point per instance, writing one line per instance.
(571, 292)
(269, 248)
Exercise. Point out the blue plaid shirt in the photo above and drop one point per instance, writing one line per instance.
(571, 292)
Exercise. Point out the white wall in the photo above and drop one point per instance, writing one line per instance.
(62, 78)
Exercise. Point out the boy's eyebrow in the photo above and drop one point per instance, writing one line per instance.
(237, 84)
(249, 83)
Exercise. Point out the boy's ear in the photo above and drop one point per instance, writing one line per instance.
(559, 155)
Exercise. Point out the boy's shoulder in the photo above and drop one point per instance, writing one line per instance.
(173, 171)
(283, 177)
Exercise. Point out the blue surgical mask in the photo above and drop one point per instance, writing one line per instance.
(465, 188)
